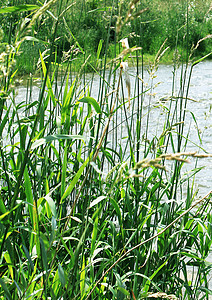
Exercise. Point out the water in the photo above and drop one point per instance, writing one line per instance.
(198, 118)
(159, 89)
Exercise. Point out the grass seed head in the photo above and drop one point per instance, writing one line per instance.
(162, 295)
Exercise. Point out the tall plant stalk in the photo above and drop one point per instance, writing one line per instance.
(95, 200)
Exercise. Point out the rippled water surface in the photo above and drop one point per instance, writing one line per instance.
(199, 106)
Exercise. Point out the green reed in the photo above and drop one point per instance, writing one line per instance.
(88, 209)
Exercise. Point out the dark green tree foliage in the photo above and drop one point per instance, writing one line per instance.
(168, 19)
(90, 21)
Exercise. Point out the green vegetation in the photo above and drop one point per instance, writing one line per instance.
(85, 23)
(88, 207)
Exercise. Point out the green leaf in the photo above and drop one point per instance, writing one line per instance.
(204, 289)
(61, 275)
(18, 8)
(93, 102)
(94, 235)
(34, 293)
(44, 254)
(50, 138)
(4, 121)
(32, 210)
(97, 200)
(68, 96)
(52, 205)
(190, 174)
(48, 82)
(28, 257)
(82, 278)
(124, 291)
(191, 255)
(29, 195)
(2, 206)
(117, 209)
(56, 282)
(18, 288)
(4, 287)
(9, 263)
(99, 49)
(33, 39)
(71, 34)
(76, 178)
(201, 59)
(147, 284)
(99, 9)
(198, 131)
(8, 212)
(66, 87)
(64, 168)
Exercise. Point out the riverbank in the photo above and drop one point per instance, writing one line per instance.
(92, 64)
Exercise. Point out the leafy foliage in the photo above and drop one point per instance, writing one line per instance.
(82, 214)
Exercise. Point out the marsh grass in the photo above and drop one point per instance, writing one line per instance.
(88, 207)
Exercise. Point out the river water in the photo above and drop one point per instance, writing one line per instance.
(199, 106)
(159, 87)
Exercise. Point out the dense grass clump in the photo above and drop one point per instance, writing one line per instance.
(94, 203)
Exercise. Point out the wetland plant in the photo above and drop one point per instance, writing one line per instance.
(95, 204)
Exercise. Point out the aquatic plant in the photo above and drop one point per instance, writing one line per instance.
(93, 204)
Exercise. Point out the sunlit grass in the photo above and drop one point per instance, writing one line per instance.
(88, 207)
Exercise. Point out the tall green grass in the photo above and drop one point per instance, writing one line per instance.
(89, 208)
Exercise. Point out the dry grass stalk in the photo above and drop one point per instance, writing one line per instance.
(125, 52)
(145, 163)
(177, 156)
(209, 36)
(124, 66)
(40, 11)
(163, 296)
(131, 15)
(153, 67)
